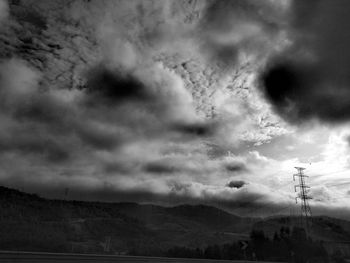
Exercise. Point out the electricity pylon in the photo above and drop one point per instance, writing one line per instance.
(306, 214)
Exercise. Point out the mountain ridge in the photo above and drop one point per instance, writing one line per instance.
(132, 226)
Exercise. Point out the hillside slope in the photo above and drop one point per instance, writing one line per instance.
(29, 222)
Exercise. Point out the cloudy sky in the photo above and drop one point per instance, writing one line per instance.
(177, 101)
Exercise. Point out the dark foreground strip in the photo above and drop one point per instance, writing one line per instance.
(33, 257)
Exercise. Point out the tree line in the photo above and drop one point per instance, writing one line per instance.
(287, 245)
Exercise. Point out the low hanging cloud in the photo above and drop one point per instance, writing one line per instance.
(310, 79)
(236, 167)
(115, 87)
(159, 167)
(236, 184)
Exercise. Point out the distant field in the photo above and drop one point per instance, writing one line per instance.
(30, 257)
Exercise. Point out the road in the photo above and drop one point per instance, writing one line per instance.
(33, 257)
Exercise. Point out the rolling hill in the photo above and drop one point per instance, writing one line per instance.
(31, 223)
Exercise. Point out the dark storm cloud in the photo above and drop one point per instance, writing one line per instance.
(115, 86)
(310, 80)
(160, 168)
(196, 129)
(236, 167)
(236, 184)
(140, 101)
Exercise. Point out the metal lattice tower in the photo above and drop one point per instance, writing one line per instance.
(306, 214)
